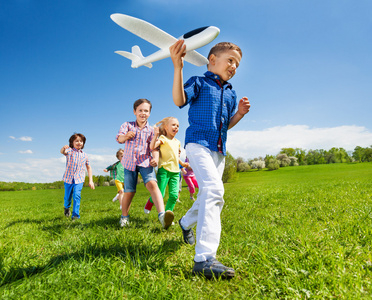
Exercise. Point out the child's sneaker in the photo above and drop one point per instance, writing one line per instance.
(67, 212)
(166, 219)
(192, 198)
(115, 198)
(124, 221)
(148, 206)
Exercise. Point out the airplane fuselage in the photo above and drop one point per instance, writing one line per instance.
(193, 40)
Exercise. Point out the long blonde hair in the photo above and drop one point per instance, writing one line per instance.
(161, 124)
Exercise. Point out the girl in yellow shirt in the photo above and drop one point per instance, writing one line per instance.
(168, 166)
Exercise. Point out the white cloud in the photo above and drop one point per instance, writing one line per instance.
(22, 138)
(26, 152)
(251, 144)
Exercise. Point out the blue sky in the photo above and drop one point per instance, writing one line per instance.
(306, 69)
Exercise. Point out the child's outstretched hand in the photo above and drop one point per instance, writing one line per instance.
(64, 149)
(130, 134)
(178, 52)
(244, 106)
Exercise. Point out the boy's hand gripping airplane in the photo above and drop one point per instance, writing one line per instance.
(193, 40)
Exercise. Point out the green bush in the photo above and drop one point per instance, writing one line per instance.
(229, 172)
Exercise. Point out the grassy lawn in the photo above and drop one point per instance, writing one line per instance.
(295, 233)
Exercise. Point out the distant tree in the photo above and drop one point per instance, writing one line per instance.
(241, 165)
(301, 156)
(258, 164)
(337, 155)
(230, 168)
(362, 154)
(268, 158)
(283, 160)
(293, 160)
(288, 151)
(273, 164)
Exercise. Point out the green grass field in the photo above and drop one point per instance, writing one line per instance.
(295, 233)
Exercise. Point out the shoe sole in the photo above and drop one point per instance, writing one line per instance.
(168, 219)
(209, 274)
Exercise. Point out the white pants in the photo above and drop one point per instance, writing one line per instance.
(208, 167)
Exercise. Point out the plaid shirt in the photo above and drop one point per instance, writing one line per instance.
(137, 150)
(212, 105)
(75, 162)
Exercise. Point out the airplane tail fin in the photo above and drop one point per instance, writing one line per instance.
(136, 56)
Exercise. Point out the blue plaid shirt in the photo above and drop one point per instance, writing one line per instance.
(212, 105)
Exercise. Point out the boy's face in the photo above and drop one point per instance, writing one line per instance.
(78, 143)
(224, 64)
(120, 155)
(142, 113)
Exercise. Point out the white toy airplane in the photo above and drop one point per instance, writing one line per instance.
(193, 40)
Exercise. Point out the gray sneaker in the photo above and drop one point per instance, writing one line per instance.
(124, 221)
(212, 268)
(188, 234)
(166, 219)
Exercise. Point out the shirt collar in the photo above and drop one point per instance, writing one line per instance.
(76, 150)
(216, 77)
(145, 126)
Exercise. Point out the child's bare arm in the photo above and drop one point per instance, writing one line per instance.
(177, 52)
(243, 109)
(63, 149)
(155, 142)
(124, 137)
(91, 183)
(154, 161)
(183, 164)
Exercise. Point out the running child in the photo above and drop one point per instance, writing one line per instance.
(211, 113)
(168, 167)
(74, 175)
(137, 158)
(117, 173)
(190, 180)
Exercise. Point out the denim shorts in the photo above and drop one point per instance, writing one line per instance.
(130, 177)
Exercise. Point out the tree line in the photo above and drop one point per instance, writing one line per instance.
(286, 157)
(295, 157)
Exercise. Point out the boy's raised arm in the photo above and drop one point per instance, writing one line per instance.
(63, 149)
(177, 51)
(243, 108)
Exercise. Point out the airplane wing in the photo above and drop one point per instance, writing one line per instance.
(155, 36)
(196, 58)
(144, 30)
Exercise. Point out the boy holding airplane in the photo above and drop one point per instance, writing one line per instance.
(211, 113)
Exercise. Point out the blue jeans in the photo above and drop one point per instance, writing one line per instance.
(73, 190)
(130, 177)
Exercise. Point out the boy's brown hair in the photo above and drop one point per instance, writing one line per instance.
(224, 46)
(139, 102)
(74, 137)
(118, 152)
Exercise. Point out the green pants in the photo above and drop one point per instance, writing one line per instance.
(172, 179)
